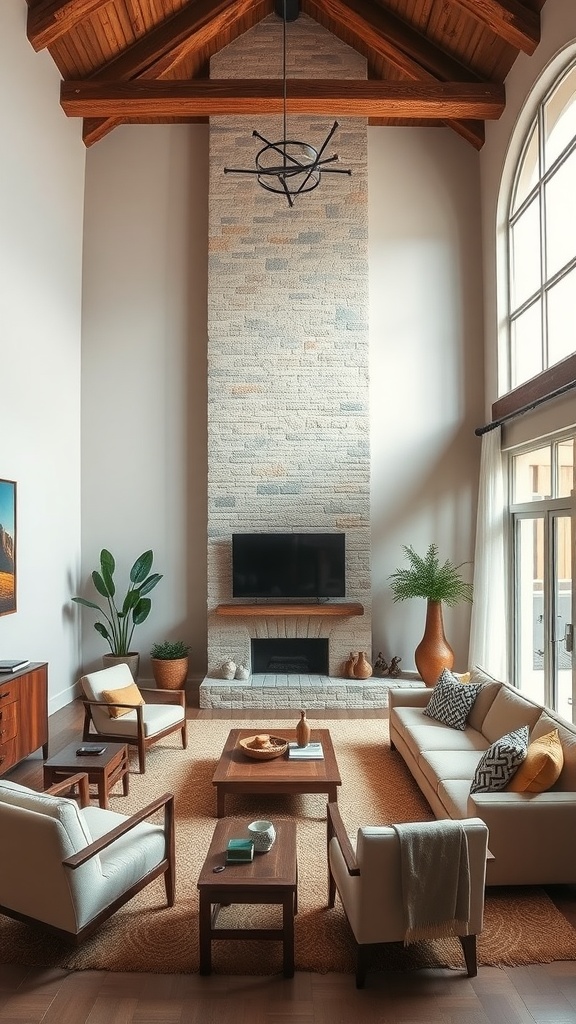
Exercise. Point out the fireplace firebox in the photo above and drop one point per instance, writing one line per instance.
(290, 655)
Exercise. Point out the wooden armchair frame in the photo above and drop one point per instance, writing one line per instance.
(141, 741)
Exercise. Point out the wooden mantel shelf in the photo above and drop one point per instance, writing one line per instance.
(341, 610)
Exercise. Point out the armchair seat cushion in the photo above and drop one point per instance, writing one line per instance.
(156, 718)
(125, 861)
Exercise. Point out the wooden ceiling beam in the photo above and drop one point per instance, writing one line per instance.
(509, 19)
(376, 32)
(161, 51)
(205, 98)
(51, 19)
(384, 35)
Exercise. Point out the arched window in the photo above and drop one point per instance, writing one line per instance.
(542, 239)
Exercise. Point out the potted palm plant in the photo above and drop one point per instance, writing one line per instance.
(426, 577)
(170, 664)
(122, 619)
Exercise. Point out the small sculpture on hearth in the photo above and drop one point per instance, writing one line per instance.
(394, 668)
(381, 665)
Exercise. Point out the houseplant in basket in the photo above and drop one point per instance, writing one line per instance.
(121, 618)
(170, 664)
(437, 583)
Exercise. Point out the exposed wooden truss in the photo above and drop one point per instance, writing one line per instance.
(429, 61)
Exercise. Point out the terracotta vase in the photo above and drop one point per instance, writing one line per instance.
(303, 731)
(349, 665)
(433, 652)
(362, 668)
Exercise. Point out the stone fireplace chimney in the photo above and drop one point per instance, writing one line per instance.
(288, 418)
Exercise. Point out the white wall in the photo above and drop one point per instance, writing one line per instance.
(144, 375)
(426, 367)
(41, 196)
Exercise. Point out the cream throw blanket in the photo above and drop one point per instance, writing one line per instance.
(435, 879)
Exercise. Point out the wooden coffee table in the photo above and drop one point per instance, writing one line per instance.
(103, 770)
(270, 878)
(238, 773)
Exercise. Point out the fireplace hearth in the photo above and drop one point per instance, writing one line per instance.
(289, 655)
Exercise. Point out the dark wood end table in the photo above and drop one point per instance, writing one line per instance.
(270, 878)
(103, 770)
(238, 773)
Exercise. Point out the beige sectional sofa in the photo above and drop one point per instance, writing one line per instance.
(532, 836)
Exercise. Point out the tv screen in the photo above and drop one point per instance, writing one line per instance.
(279, 565)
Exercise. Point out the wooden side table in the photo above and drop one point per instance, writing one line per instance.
(103, 770)
(270, 878)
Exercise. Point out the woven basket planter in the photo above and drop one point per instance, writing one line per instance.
(170, 674)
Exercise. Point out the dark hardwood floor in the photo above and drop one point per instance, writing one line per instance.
(545, 994)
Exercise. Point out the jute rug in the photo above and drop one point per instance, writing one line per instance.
(522, 925)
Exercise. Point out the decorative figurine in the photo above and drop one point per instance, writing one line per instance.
(394, 669)
(381, 665)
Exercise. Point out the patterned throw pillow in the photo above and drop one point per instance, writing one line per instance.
(451, 702)
(498, 764)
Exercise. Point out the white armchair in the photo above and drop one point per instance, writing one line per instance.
(369, 883)
(163, 712)
(69, 867)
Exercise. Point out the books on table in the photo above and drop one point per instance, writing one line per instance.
(311, 752)
(13, 664)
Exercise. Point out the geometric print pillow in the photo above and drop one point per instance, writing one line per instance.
(451, 702)
(498, 764)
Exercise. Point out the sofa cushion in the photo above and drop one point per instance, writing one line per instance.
(451, 701)
(498, 764)
(441, 765)
(485, 697)
(567, 780)
(422, 733)
(509, 711)
(454, 795)
(541, 767)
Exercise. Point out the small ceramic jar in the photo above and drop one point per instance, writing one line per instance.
(228, 670)
(262, 834)
(242, 672)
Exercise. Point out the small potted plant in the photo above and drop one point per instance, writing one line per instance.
(170, 664)
(437, 583)
(122, 618)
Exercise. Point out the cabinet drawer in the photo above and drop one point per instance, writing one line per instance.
(7, 755)
(8, 691)
(8, 722)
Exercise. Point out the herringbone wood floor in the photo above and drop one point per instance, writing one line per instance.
(544, 993)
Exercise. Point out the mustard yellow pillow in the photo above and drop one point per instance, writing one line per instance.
(541, 767)
(127, 695)
(462, 677)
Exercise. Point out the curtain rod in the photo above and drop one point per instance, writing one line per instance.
(525, 408)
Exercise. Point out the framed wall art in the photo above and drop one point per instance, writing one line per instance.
(7, 546)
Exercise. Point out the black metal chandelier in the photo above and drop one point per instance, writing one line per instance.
(301, 165)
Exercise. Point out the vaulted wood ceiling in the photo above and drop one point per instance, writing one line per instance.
(430, 62)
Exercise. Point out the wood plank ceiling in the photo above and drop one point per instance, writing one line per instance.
(430, 62)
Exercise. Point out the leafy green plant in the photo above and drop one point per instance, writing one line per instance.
(170, 650)
(135, 608)
(427, 578)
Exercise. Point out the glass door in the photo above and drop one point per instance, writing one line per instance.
(561, 624)
(543, 609)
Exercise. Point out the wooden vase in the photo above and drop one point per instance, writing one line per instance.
(433, 652)
(362, 668)
(303, 731)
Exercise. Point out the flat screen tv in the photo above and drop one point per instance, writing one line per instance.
(282, 565)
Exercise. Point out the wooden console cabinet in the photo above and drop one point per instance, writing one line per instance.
(23, 714)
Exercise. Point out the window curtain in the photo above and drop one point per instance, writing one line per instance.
(488, 625)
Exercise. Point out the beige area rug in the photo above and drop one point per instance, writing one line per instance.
(522, 926)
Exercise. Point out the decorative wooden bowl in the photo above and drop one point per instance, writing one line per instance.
(264, 747)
